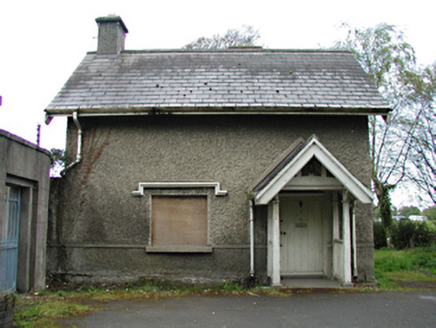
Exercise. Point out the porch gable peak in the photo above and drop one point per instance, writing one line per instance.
(276, 178)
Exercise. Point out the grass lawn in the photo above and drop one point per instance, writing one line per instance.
(393, 270)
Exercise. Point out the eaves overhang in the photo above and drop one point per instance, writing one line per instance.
(215, 110)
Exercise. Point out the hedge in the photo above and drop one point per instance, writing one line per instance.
(406, 234)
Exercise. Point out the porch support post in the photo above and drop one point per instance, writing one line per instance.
(269, 260)
(275, 225)
(346, 239)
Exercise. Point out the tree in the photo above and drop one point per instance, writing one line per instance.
(59, 160)
(423, 147)
(399, 142)
(244, 36)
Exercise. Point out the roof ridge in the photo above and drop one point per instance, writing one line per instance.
(231, 51)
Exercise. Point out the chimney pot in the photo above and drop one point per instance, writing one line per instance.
(111, 35)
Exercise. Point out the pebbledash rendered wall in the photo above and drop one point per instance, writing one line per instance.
(98, 230)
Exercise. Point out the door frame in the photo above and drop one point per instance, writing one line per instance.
(27, 254)
(341, 252)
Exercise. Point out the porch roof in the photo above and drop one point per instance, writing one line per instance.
(288, 164)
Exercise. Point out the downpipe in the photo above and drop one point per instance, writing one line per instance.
(79, 145)
(250, 206)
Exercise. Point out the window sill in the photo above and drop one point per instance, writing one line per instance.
(178, 249)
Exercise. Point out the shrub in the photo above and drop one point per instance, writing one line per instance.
(402, 234)
(410, 234)
(425, 234)
(379, 235)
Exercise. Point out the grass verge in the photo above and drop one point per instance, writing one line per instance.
(45, 308)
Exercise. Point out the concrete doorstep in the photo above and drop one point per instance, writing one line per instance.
(312, 283)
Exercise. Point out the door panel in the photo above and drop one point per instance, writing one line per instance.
(9, 240)
(301, 236)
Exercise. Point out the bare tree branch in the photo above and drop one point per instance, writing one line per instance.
(244, 36)
(403, 148)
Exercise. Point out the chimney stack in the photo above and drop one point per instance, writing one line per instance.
(111, 35)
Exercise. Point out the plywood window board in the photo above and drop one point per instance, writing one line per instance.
(179, 220)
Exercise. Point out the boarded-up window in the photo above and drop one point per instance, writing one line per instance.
(179, 220)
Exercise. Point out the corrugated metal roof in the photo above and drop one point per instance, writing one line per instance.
(245, 80)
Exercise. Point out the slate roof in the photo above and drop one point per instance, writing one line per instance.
(227, 81)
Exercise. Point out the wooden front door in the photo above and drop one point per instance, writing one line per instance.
(301, 237)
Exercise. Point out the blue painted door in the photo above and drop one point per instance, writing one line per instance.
(9, 240)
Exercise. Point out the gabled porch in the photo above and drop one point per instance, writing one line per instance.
(311, 222)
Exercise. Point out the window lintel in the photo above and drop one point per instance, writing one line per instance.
(177, 185)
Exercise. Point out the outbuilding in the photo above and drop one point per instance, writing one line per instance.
(24, 184)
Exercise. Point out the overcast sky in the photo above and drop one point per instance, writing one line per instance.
(43, 41)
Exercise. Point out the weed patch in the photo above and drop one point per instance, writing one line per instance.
(42, 311)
